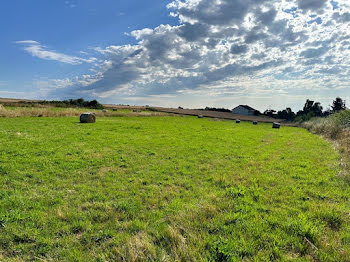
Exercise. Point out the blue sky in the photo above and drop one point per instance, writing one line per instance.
(67, 27)
(191, 53)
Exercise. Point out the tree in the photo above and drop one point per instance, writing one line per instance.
(317, 109)
(286, 114)
(312, 108)
(338, 105)
(308, 106)
(270, 112)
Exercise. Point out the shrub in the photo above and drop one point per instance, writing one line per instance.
(331, 126)
(342, 119)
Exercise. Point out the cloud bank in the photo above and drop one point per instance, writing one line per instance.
(223, 48)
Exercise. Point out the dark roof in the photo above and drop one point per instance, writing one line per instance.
(246, 107)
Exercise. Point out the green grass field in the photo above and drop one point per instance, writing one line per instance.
(168, 189)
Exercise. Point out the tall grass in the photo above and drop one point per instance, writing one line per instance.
(337, 128)
(332, 127)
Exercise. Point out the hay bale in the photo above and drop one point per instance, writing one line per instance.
(87, 118)
(115, 110)
(255, 122)
(135, 110)
(200, 116)
(276, 125)
(238, 121)
(104, 110)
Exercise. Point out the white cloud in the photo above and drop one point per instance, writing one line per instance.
(231, 48)
(70, 4)
(30, 42)
(38, 50)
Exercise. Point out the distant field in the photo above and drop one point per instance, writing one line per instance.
(216, 114)
(191, 112)
(15, 100)
(168, 188)
(49, 111)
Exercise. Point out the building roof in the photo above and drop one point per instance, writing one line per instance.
(246, 107)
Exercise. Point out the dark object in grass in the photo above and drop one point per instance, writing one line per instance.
(87, 118)
(115, 109)
(40, 115)
(200, 116)
(238, 121)
(276, 125)
(104, 110)
(255, 122)
(135, 110)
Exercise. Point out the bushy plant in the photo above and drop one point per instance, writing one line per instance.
(330, 127)
(342, 119)
(304, 117)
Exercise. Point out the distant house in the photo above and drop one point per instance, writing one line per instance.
(244, 110)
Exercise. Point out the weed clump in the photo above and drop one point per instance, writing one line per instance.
(337, 128)
(332, 126)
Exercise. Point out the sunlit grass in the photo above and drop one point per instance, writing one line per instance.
(168, 188)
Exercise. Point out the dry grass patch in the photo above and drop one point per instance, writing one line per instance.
(140, 247)
(47, 111)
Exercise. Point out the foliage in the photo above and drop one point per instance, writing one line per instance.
(217, 109)
(301, 117)
(311, 109)
(168, 189)
(93, 104)
(338, 105)
(332, 126)
(270, 113)
(337, 128)
(286, 114)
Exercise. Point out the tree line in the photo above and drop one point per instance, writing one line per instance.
(80, 102)
(310, 109)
